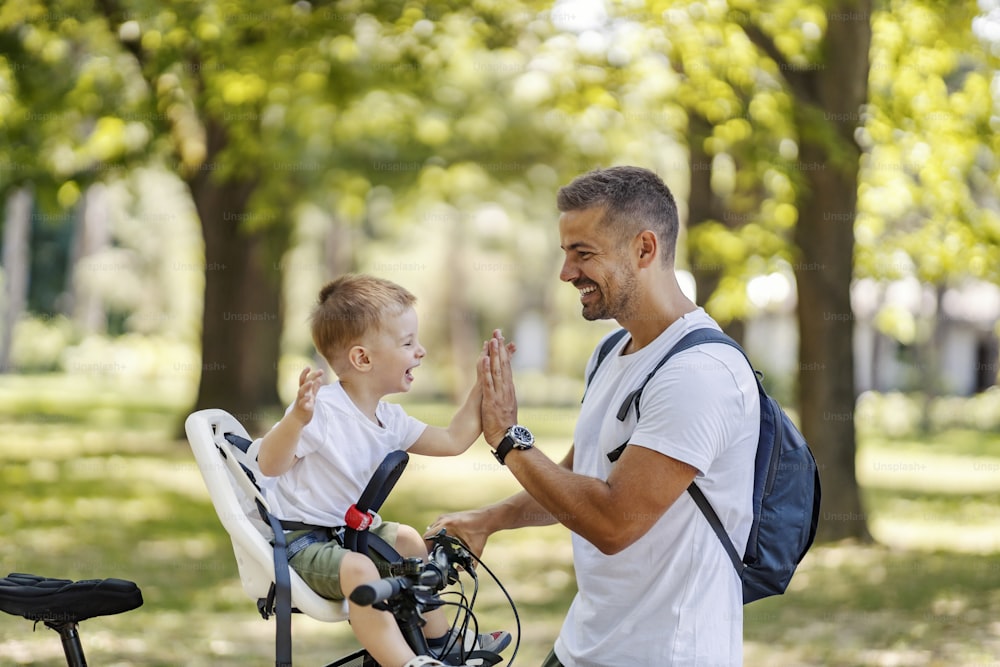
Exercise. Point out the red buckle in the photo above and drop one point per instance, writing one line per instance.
(356, 519)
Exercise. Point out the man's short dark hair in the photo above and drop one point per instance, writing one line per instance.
(633, 199)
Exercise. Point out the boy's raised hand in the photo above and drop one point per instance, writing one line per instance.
(309, 383)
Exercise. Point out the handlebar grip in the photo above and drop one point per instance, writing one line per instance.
(376, 591)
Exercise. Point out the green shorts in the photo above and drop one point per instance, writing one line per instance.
(319, 564)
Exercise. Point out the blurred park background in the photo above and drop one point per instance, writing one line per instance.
(178, 179)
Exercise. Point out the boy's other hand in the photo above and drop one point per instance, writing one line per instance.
(309, 383)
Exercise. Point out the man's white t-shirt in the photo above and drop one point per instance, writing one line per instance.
(673, 597)
(338, 452)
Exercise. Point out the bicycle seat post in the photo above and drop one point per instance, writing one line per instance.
(69, 633)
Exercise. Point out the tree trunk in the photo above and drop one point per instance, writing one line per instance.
(704, 205)
(16, 268)
(825, 237)
(242, 319)
(92, 235)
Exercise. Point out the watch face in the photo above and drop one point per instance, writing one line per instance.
(521, 436)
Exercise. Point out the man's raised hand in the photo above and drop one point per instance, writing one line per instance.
(499, 410)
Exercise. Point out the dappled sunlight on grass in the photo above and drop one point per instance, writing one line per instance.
(90, 495)
(927, 471)
(175, 550)
(929, 498)
(103, 398)
(176, 476)
(934, 534)
(51, 540)
(59, 440)
(869, 605)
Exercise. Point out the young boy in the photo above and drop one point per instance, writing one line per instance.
(333, 437)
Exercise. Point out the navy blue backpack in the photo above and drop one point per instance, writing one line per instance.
(786, 489)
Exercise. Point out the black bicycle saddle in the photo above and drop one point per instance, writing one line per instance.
(64, 601)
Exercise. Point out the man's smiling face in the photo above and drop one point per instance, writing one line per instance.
(596, 264)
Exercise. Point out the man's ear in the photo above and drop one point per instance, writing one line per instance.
(648, 247)
(358, 357)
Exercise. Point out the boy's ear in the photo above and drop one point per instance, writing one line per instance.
(358, 357)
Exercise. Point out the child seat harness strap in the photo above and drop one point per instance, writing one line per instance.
(279, 596)
(355, 537)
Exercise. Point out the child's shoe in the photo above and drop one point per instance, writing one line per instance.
(493, 642)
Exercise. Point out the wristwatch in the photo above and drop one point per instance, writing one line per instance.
(517, 437)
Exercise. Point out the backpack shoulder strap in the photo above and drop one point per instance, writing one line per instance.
(716, 523)
(609, 343)
(692, 338)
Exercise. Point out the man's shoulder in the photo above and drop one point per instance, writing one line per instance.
(712, 371)
(724, 353)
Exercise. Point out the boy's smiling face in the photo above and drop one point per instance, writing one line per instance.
(394, 351)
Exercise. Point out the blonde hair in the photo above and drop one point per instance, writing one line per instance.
(351, 306)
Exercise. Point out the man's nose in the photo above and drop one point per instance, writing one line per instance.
(569, 272)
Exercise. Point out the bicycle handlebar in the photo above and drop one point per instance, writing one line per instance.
(430, 576)
(383, 589)
(414, 587)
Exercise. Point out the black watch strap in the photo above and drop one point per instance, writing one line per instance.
(503, 449)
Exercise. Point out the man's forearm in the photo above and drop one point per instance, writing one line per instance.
(474, 527)
(585, 505)
(522, 509)
(611, 514)
(518, 511)
(554, 489)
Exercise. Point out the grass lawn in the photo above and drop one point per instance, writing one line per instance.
(94, 486)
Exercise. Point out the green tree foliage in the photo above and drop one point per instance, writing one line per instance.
(926, 182)
(929, 217)
(261, 107)
(441, 131)
(928, 205)
(65, 102)
(787, 80)
(740, 137)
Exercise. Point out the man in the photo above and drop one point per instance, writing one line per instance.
(655, 586)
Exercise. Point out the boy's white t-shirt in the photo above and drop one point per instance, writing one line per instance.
(672, 597)
(337, 454)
